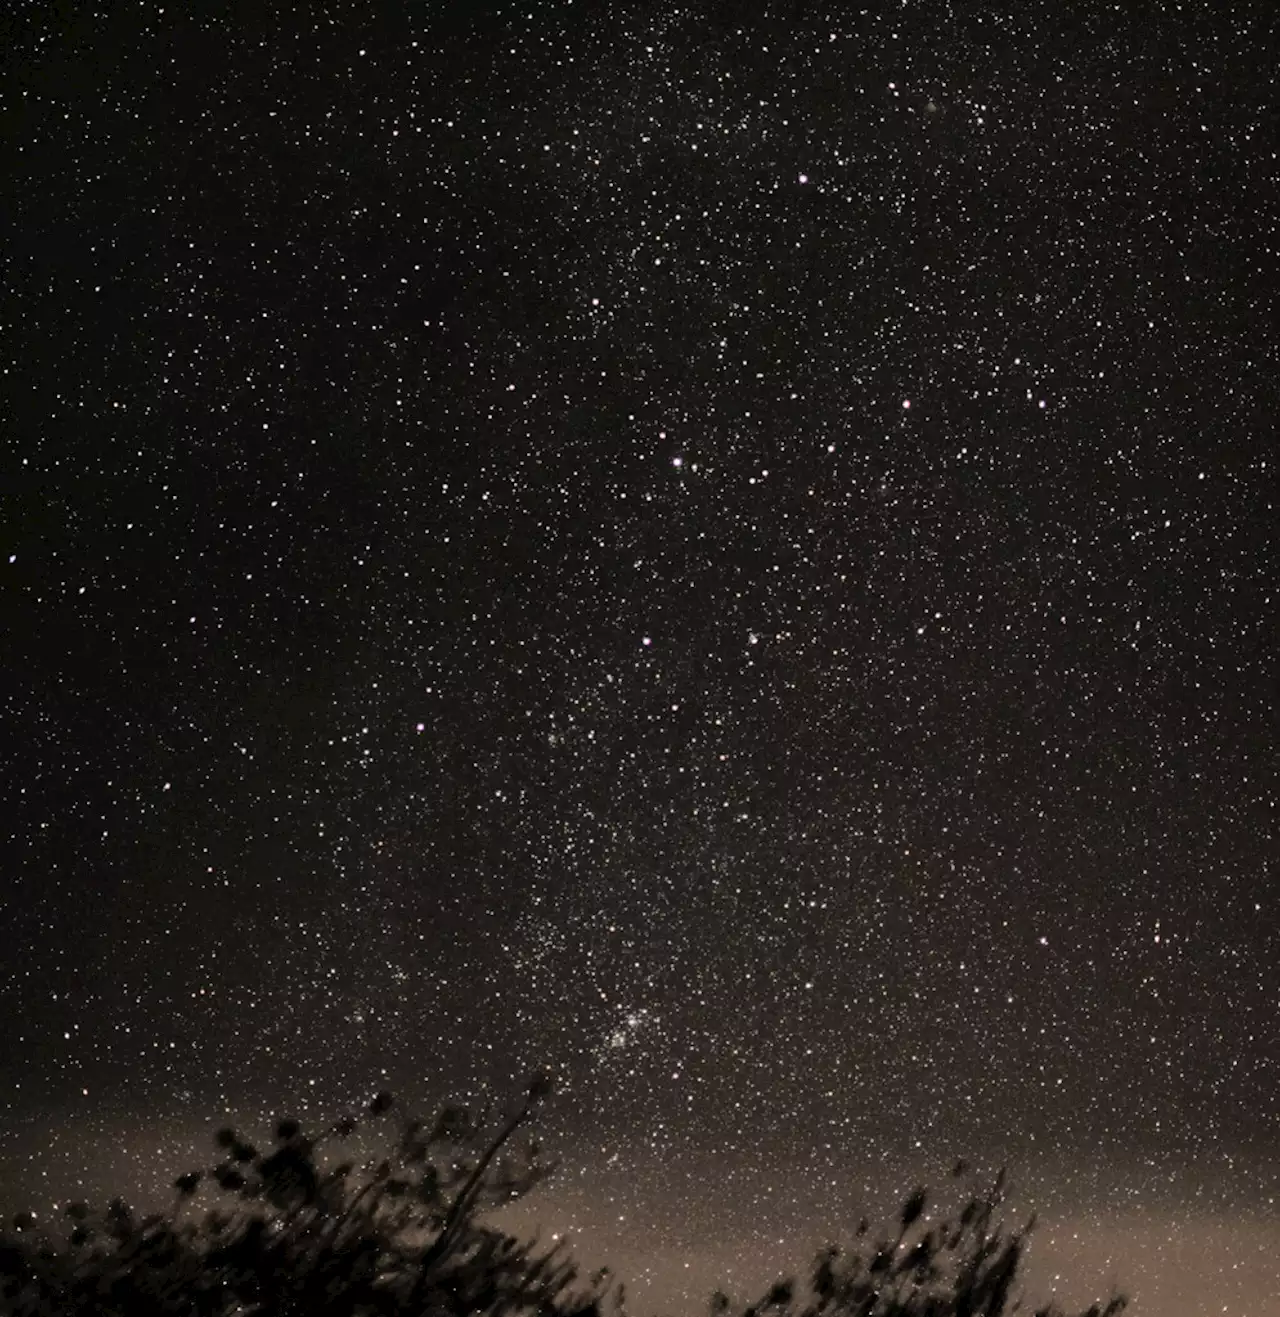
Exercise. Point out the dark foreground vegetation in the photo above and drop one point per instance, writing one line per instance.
(297, 1230)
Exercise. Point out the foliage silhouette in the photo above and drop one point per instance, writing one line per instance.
(298, 1232)
(302, 1236)
(962, 1268)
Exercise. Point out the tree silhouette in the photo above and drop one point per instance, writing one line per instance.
(296, 1231)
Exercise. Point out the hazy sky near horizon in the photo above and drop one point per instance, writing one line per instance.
(724, 550)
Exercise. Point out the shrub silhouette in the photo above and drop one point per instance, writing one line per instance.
(962, 1268)
(291, 1235)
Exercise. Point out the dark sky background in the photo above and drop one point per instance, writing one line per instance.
(727, 551)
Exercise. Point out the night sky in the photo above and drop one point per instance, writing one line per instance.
(727, 551)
